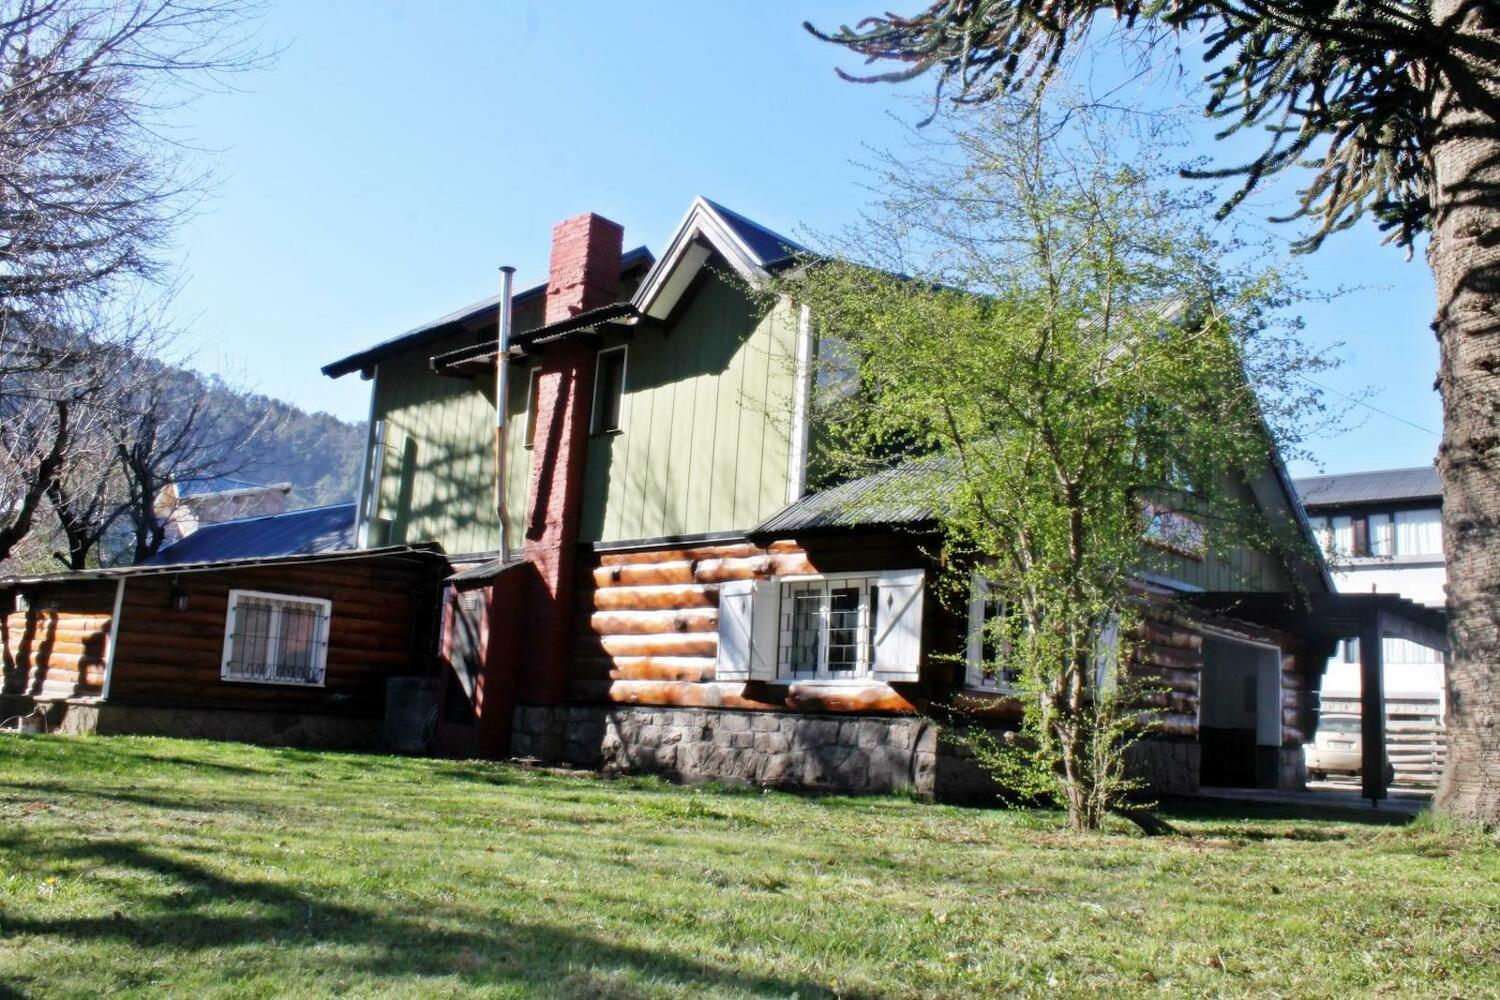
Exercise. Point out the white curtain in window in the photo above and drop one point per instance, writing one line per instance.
(1319, 526)
(1406, 651)
(1343, 536)
(1419, 533)
(1382, 535)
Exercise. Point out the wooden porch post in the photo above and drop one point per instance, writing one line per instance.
(1372, 706)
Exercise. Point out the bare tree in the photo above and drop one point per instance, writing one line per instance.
(171, 434)
(92, 184)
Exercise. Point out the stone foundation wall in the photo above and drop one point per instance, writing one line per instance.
(789, 750)
(311, 732)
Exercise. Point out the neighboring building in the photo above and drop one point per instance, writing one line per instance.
(187, 506)
(1382, 533)
(270, 629)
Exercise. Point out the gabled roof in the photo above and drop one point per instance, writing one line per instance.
(478, 313)
(1379, 486)
(752, 250)
(298, 532)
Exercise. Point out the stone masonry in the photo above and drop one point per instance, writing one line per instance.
(850, 754)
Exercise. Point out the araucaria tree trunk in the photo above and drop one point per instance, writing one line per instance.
(1465, 258)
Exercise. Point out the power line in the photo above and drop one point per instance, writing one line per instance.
(1372, 409)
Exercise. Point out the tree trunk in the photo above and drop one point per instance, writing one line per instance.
(1465, 258)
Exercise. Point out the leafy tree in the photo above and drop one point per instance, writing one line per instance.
(1068, 351)
(1392, 108)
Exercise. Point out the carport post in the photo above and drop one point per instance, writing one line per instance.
(1372, 706)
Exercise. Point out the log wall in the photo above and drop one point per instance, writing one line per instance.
(646, 631)
(381, 623)
(56, 647)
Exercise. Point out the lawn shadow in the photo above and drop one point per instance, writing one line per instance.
(188, 916)
(1250, 820)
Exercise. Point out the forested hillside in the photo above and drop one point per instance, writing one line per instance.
(317, 453)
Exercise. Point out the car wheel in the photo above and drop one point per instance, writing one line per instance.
(1315, 775)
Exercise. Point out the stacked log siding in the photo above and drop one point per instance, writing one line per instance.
(647, 631)
(57, 646)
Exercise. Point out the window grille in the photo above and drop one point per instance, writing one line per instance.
(275, 638)
(827, 628)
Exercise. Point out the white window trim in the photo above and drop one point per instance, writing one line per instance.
(320, 662)
(980, 590)
(594, 414)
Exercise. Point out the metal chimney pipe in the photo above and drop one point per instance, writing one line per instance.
(502, 404)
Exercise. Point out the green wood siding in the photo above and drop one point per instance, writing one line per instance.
(707, 415)
(438, 463)
(1239, 569)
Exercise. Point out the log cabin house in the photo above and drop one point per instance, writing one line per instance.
(634, 575)
(269, 629)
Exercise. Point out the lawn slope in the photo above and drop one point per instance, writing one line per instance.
(146, 867)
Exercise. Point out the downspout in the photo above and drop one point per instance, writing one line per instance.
(114, 638)
(502, 404)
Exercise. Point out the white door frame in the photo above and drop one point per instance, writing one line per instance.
(1263, 692)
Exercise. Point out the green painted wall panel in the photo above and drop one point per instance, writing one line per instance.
(699, 450)
(438, 461)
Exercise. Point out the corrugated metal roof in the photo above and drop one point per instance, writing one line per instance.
(1379, 486)
(888, 497)
(480, 310)
(478, 576)
(298, 532)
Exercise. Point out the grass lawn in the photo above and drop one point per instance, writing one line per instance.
(151, 866)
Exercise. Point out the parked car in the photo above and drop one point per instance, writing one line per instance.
(1337, 749)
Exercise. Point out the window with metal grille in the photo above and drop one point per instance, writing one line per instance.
(275, 638)
(827, 628)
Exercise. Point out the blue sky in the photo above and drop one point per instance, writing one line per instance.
(398, 153)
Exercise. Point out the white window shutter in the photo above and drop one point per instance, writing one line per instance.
(765, 631)
(898, 626)
(979, 592)
(736, 600)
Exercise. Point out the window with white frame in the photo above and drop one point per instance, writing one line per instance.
(987, 647)
(275, 638)
(864, 626)
(827, 628)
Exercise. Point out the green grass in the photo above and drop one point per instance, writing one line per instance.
(145, 866)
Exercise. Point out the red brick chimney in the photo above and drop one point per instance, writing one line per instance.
(585, 274)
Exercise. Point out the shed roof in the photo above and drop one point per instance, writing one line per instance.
(297, 532)
(1381, 485)
(224, 484)
(886, 497)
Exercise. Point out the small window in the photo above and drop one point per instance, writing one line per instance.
(987, 611)
(826, 629)
(850, 627)
(275, 639)
(533, 384)
(609, 390)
